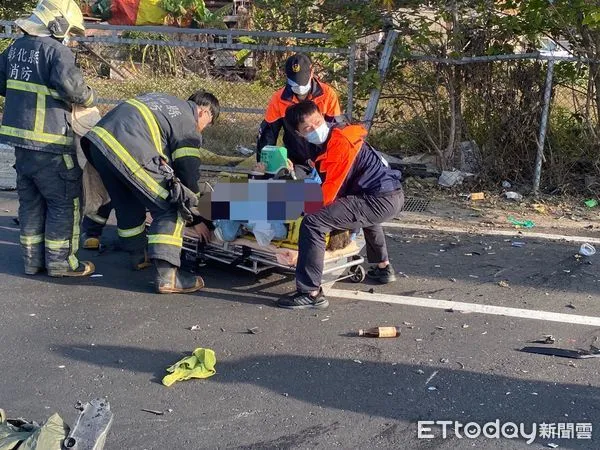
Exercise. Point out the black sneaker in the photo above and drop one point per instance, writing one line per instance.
(384, 276)
(302, 300)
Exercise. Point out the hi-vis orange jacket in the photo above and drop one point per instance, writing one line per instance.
(350, 166)
(299, 150)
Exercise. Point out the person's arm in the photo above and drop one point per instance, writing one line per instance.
(333, 111)
(186, 164)
(67, 79)
(270, 127)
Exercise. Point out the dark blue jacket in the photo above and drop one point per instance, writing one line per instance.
(350, 166)
(40, 82)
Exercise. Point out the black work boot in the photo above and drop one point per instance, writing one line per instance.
(384, 276)
(171, 280)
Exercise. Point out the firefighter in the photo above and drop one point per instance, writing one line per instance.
(147, 152)
(40, 83)
(301, 85)
(359, 191)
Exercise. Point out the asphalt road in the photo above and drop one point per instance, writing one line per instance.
(305, 381)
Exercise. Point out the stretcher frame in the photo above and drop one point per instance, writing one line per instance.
(256, 261)
(341, 267)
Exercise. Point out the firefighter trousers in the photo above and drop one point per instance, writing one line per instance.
(347, 213)
(165, 236)
(93, 224)
(49, 188)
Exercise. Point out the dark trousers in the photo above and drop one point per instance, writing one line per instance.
(49, 188)
(93, 224)
(165, 236)
(346, 213)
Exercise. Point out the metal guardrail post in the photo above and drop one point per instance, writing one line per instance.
(543, 128)
(351, 71)
(384, 64)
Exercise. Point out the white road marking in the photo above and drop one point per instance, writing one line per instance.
(523, 233)
(466, 307)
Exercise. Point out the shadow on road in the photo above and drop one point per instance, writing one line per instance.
(394, 391)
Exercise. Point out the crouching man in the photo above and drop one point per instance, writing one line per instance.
(146, 151)
(359, 191)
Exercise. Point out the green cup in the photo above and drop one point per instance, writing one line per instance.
(274, 158)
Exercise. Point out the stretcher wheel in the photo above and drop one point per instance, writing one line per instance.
(358, 274)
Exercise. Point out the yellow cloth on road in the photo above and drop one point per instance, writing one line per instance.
(200, 365)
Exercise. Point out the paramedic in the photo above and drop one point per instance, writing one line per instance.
(301, 85)
(40, 82)
(359, 191)
(147, 152)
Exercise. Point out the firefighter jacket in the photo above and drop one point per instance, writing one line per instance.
(348, 165)
(147, 137)
(40, 82)
(299, 150)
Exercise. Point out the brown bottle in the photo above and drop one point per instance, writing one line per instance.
(380, 332)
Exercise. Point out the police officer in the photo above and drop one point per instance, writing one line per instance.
(146, 150)
(40, 83)
(359, 191)
(301, 85)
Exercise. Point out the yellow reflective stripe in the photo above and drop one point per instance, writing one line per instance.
(26, 86)
(186, 151)
(90, 100)
(131, 163)
(174, 239)
(57, 245)
(40, 114)
(131, 232)
(32, 240)
(73, 262)
(151, 122)
(68, 161)
(179, 227)
(96, 218)
(40, 137)
(165, 239)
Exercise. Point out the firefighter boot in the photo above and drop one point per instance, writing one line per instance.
(90, 242)
(84, 269)
(139, 260)
(171, 280)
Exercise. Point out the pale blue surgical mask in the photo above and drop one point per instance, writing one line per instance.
(318, 135)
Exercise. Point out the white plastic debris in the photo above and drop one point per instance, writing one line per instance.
(511, 195)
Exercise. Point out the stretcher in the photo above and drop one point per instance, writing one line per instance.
(244, 253)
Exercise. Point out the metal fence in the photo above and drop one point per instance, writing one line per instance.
(242, 68)
(506, 117)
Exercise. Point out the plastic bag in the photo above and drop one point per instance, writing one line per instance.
(262, 231)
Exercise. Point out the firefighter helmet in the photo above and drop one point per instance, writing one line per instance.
(58, 17)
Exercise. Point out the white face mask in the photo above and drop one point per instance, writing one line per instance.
(66, 40)
(300, 90)
(319, 135)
